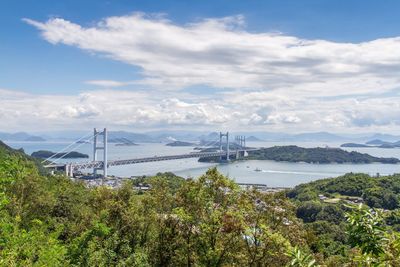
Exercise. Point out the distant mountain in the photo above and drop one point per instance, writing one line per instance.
(213, 136)
(376, 142)
(297, 137)
(133, 137)
(253, 139)
(180, 143)
(35, 139)
(385, 137)
(20, 136)
(318, 136)
(206, 137)
(171, 135)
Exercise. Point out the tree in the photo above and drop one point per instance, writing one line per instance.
(309, 210)
(367, 232)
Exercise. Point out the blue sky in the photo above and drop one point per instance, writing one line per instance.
(40, 66)
(48, 69)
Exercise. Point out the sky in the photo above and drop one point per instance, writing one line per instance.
(283, 65)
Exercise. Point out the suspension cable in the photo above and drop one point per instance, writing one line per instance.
(64, 149)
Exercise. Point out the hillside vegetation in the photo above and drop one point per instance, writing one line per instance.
(44, 154)
(315, 155)
(210, 221)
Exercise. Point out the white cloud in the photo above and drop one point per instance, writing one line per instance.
(108, 83)
(116, 108)
(222, 54)
(270, 81)
(137, 111)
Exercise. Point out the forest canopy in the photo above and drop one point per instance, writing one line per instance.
(50, 220)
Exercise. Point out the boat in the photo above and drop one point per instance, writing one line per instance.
(257, 170)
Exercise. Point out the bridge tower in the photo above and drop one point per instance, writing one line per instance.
(226, 135)
(96, 148)
(240, 141)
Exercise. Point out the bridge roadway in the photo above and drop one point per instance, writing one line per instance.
(99, 164)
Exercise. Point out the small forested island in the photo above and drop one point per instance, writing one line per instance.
(374, 143)
(180, 143)
(315, 155)
(122, 142)
(311, 155)
(353, 145)
(44, 154)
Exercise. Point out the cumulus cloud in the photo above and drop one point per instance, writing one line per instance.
(143, 111)
(108, 83)
(105, 107)
(222, 54)
(266, 80)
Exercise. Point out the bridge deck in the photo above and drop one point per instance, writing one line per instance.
(99, 164)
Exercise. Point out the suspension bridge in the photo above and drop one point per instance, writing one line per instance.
(100, 143)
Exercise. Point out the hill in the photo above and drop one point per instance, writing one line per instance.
(310, 155)
(20, 136)
(44, 154)
(6, 152)
(323, 205)
(54, 221)
(315, 155)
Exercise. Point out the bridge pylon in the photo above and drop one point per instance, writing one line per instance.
(97, 147)
(221, 136)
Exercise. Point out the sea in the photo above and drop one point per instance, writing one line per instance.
(271, 173)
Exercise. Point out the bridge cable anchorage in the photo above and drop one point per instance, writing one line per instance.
(65, 148)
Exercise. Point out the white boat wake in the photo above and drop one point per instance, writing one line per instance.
(305, 173)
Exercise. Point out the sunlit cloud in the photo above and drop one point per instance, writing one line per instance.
(222, 54)
(260, 80)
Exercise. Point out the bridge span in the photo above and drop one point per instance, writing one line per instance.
(71, 167)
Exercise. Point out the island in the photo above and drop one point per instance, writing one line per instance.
(354, 145)
(373, 143)
(310, 155)
(376, 142)
(44, 154)
(122, 142)
(180, 143)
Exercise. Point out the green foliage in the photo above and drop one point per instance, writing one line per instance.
(309, 210)
(368, 233)
(44, 154)
(300, 259)
(315, 155)
(209, 221)
(377, 192)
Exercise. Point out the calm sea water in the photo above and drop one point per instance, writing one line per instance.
(272, 173)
